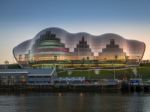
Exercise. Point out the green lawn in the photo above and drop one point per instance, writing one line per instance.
(103, 74)
(108, 74)
(144, 71)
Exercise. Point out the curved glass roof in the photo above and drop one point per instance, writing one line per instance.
(53, 44)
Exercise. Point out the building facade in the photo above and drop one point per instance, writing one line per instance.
(27, 77)
(57, 47)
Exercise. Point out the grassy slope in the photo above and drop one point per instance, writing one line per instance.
(144, 71)
(109, 74)
(103, 74)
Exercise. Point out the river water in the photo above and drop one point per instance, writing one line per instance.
(75, 102)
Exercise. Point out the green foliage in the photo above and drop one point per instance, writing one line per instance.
(145, 64)
(144, 72)
(14, 66)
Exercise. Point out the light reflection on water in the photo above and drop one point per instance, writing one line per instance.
(75, 102)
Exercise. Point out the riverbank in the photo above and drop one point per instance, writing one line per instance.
(77, 88)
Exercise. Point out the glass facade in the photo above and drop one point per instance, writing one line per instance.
(57, 47)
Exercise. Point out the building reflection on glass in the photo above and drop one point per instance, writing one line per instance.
(54, 46)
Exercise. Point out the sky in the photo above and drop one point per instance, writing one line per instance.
(23, 19)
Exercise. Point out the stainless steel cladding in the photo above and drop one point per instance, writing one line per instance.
(57, 47)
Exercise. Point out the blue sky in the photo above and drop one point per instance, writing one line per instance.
(23, 19)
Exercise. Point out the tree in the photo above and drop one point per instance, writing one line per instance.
(55, 58)
(6, 64)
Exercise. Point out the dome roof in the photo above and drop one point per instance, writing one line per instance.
(56, 41)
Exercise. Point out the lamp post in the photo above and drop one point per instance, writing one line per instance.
(114, 66)
(55, 61)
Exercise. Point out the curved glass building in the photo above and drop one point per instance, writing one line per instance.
(57, 47)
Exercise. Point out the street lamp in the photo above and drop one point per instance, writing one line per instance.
(114, 66)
